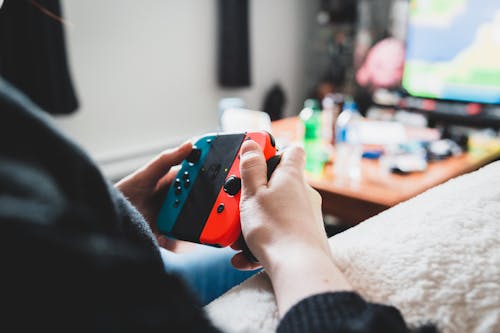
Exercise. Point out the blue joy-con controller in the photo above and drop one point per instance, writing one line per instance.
(186, 177)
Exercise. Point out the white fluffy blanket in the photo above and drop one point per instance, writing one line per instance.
(435, 257)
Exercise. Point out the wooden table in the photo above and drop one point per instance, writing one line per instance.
(377, 190)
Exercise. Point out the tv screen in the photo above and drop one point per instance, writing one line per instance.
(453, 50)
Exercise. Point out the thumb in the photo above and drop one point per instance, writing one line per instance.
(160, 165)
(253, 168)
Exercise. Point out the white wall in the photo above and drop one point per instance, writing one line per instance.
(145, 70)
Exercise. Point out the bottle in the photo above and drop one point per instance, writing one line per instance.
(332, 106)
(310, 117)
(348, 146)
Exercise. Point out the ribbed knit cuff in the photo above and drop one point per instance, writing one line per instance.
(322, 313)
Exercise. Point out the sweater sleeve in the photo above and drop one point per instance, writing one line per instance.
(59, 276)
(345, 312)
(76, 256)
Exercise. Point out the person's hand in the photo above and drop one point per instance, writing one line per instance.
(282, 225)
(146, 188)
(281, 216)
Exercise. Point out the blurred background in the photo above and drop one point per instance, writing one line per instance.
(127, 79)
(146, 74)
(146, 71)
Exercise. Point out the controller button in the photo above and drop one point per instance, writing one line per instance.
(185, 175)
(232, 185)
(209, 140)
(187, 182)
(194, 156)
(178, 190)
(176, 203)
(177, 181)
(220, 208)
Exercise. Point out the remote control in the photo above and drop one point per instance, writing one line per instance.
(202, 203)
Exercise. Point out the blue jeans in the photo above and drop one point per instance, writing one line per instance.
(206, 270)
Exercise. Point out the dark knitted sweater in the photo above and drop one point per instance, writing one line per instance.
(76, 256)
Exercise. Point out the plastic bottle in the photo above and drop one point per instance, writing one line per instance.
(313, 143)
(348, 147)
(332, 106)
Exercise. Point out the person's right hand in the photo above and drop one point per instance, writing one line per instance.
(282, 224)
(281, 217)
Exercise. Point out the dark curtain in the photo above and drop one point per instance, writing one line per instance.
(33, 53)
(233, 43)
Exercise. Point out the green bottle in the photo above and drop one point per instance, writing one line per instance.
(313, 144)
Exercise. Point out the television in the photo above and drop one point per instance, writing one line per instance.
(453, 51)
(452, 62)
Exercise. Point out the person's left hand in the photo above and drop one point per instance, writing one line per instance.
(146, 188)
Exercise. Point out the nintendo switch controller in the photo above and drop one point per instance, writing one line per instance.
(202, 204)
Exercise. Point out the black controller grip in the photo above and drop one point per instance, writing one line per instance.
(272, 163)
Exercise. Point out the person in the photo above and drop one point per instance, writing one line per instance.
(81, 254)
(78, 251)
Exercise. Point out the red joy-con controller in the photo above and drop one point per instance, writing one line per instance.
(223, 224)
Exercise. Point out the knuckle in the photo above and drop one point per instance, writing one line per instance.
(250, 161)
(297, 153)
(293, 171)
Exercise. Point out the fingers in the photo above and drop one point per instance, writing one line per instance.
(240, 261)
(167, 179)
(160, 165)
(166, 243)
(238, 245)
(253, 168)
(292, 164)
(294, 157)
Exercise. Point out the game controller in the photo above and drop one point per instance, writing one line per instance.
(202, 203)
